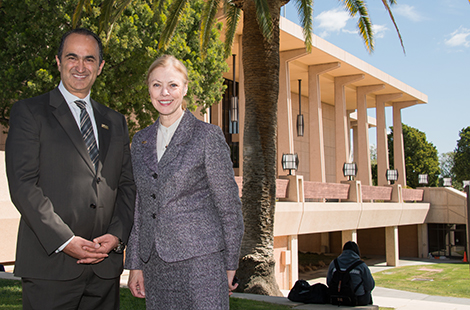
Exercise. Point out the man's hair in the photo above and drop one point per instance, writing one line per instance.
(82, 31)
(351, 245)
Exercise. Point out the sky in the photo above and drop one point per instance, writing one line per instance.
(436, 62)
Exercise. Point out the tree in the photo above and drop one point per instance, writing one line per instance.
(29, 36)
(461, 168)
(31, 40)
(261, 54)
(420, 156)
(373, 163)
(446, 164)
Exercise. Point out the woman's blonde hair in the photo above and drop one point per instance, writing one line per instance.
(169, 60)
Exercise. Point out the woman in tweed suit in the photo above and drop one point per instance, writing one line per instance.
(184, 246)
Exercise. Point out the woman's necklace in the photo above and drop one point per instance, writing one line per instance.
(165, 137)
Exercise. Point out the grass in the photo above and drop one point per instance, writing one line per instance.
(443, 279)
(10, 299)
(450, 280)
(10, 294)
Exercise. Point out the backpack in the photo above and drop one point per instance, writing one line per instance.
(341, 288)
(309, 294)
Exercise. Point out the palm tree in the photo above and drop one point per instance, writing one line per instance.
(261, 58)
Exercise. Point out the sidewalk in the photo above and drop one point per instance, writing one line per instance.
(400, 300)
(383, 297)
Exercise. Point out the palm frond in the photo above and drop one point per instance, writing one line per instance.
(387, 7)
(365, 31)
(208, 21)
(105, 15)
(351, 7)
(170, 26)
(364, 24)
(157, 7)
(264, 18)
(114, 16)
(78, 12)
(233, 16)
(305, 10)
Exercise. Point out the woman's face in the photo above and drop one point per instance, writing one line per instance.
(167, 88)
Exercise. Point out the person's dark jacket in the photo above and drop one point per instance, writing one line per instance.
(346, 259)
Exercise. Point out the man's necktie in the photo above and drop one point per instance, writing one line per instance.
(87, 132)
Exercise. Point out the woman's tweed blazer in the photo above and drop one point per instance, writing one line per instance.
(187, 203)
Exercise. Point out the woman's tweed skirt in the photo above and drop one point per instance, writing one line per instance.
(198, 283)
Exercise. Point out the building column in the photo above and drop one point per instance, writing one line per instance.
(241, 104)
(363, 161)
(315, 124)
(342, 124)
(348, 235)
(382, 141)
(285, 128)
(391, 245)
(325, 242)
(293, 247)
(398, 144)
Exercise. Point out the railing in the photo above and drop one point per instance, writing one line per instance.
(376, 192)
(281, 187)
(319, 190)
(343, 191)
(412, 194)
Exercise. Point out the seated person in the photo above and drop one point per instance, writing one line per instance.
(361, 279)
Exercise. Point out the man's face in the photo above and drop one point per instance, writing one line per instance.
(80, 64)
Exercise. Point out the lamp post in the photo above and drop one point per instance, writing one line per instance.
(447, 182)
(234, 101)
(423, 179)
(300, 117)
(392, 175)
(350, 170)
(290, 162)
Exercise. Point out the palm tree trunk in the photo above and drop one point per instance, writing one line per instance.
(261, 71)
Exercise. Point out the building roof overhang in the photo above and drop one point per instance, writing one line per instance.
(323, 52)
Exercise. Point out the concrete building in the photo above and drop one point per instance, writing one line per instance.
(320, 208)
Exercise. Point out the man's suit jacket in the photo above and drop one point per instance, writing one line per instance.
(57, 190)
(188, 203)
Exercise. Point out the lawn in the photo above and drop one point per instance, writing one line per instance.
(451, 280)
(10, 298)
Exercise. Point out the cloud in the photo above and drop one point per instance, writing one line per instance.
(459, 37)
(379, 31)
(407, 11)
(335, 20)
(332, 21)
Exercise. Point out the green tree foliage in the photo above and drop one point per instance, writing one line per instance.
(420, 156)
(461, 167)
(31, 32)
(373, 164)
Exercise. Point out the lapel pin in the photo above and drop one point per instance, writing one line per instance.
(144, 142)
(105, 126)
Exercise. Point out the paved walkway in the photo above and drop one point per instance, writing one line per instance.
(401, 300)
(383, 297)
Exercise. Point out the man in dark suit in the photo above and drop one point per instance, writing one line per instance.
(70, 176)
